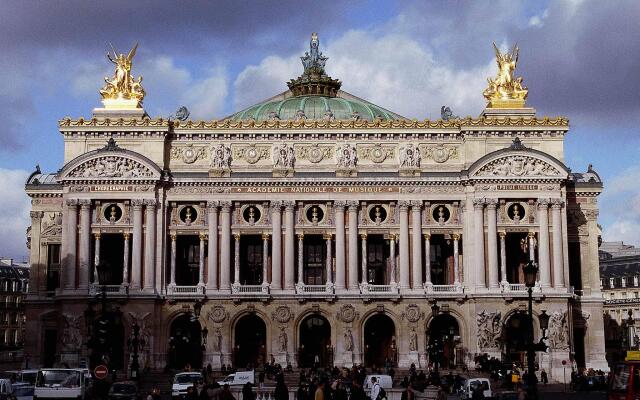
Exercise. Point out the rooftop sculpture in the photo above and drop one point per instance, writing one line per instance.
(506, 91)
(122, 91)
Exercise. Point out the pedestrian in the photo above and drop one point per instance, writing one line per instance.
(543, 377)
(477, 392)
(281, 392)
(407, 393)
(226, 393)
(319, 395)
(375, 389)
(247, 392)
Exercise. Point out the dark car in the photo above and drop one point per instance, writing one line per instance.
(598, 382)
(124, 391)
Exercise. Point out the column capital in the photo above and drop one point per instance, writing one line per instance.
(557, 203)
(225, 206)
(126, 235)
(363, 236)
(71, 202)
(502, 234)
(97, 235)
(236, 236)
(341, 204)
(203, 236)
(151, 203)
(492, 204)
(479, 203)
(455, 237)
(403, 205)
(393, 236)
(531, 235)
(84, 203)
(300, 236)
(266, 235)
(427, 236)
(137, 203)
(543, 203)
(213, 205)
(288, 205)
(275, 205)
(353, 205)
(173, 236)
(35, 215)
(416, 205)
(327, 236)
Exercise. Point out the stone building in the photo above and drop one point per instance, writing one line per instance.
(14, 284)
(315, 224)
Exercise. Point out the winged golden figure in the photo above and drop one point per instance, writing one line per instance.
(506, 90)
(122, 86)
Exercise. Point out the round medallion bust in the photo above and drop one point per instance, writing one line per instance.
(217, 314)
(282, 314)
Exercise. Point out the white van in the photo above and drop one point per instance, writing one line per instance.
(471, 384)
(238, 379)
(183, 381)
(384, 381)
(61, 383)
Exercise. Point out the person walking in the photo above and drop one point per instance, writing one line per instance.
(281, 392)
(543, 377)
(319, 391)
(375, 389)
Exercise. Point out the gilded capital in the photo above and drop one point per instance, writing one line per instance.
(531, 235)
(327, 236)
(300, 236)
(203, 236)
(502, 234)
(266, 235)
(363, 236)
(455, 237)
(427, 236)
(97, 235)
(236, 236)
(173, 236)
(126, 236)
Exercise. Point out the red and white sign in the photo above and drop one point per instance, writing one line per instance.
(101, 371)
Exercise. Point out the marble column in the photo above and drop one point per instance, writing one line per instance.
(392, 256)
(492, 243)
(544, 261)
(353, 245)
(276, 245)
(70, 245)
(225, 245)
(96, 258)
(212, 248)
(85, 244)
(289, 246)
(328, 238)
(338, 209)
(301, 259)
(125, 261)
(37, 252)
(172, 278)
(265, 258)
(203, 239)
(503, 257)
(427, 259)
(404, 244)
(136, 246)
(558, 265)
(416, 245)
(478, 224)
(150, 246)
(363, 248)
(531, 236)
(456, 256)
(236, 259)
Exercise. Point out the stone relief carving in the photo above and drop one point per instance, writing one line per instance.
(189, 153)
(558, 330)
(144, 335)
(314, 153)
(217, 340)
(346, 156)
(220, 156)
(71, 337)
(410, 156)
(440, 153)
(413, 340)
(376, 153)
(282, 340)
(412, 313)
(282, 314)
(489, 330)
(111, 167)
(347, 313)
(251, 154)
(518, 166)
(283, 156)
(52, 226)
(348, 340)
(217, 314)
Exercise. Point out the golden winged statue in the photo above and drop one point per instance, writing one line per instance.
(506, 91)
(122, 89)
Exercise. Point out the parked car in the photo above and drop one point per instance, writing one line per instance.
(61, 383)
(23, 375)
(182, 381)
(127, 390)
(23, 390)
(471, 384)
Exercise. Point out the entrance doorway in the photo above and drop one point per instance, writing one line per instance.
(185, 343)
(517, 333)
(443, 336)
(315, 342)
(49, 348)
(517, 256)
(377, 260)
(250, 339)
(112, 255)
(380, 341)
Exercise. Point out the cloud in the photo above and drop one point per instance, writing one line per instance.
(14, 214)
(620, 207)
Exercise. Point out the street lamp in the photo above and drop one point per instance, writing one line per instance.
(134, 345)
(530, 274)
(630, 323)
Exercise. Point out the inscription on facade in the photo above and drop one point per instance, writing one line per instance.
(517, 187)
(318, 189)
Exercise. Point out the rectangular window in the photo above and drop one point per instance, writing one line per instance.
(53, 267)
(314, 258)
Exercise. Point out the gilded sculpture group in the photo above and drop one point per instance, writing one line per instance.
(504, 91)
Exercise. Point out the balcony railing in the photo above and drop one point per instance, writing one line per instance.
(250, 290)
(314, 290)
(185, 291)
(518, 288)
(109, 290)
(444, 289)
(379, 290)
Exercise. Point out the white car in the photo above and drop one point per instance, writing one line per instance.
(61, 383)
(471, 384)
(238, 379)
(183, 381)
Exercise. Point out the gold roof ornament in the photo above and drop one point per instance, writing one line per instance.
(122, 92)
(506, 91)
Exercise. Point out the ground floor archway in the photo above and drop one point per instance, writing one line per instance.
(250, 342)
(185, 343)
(380, 346)
(515, 336)
(315, 342)
(443, 336)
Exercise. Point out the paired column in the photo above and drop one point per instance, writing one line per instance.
(301, 259)
(338, 210)
(353, 245)
(172, 279)
(456, 256)
(225, 245)
(203, 238)
(236, 259)
(125, 261)
(363, 245)
(503, 257)
(136, 250)
(96, 258)
(327, 237)
(289, 246)
(85, 243)
(416, 250)
(150, 246)
(265, 258)
(404, 244)
(478, 224)
(392, 255)
(427, 259)
(543, 243)
(212, 249)
(558, 259)
(492, 243)
(70, 245)
(276, 245)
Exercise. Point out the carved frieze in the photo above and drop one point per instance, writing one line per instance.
(489, 330)
(220, 156)
(111, 167)
(518, 165)
(439, 153)
(314, 153)
(346, 156)
(410, 156)
(283, 156)
(188, 153)
(52, 224)
(558, 330)
(376, 153)
(252, 153)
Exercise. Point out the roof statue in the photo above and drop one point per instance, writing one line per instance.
(314, 62)
(506, 91)
(446, 114)
(314, 80)
(122, 91)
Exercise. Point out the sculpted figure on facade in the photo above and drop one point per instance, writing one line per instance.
(488, 330)
(348, 340)
(558, 330)
(144, 335)
(71, 335)
(346, 156)
(283, 156)
(413, 340)
(282, 340)
(111, 167)
(220, 156)
(52, 226)
(410, 156)
(518, 166)
(217, 340)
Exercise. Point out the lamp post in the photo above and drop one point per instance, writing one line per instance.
(631, 337)
(435, 346)
(135, 344)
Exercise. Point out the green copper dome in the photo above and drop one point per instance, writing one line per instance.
(314, 96)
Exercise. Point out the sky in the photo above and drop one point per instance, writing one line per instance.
(579, 59)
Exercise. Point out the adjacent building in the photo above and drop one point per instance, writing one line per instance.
(14, 285)
(313, 225)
